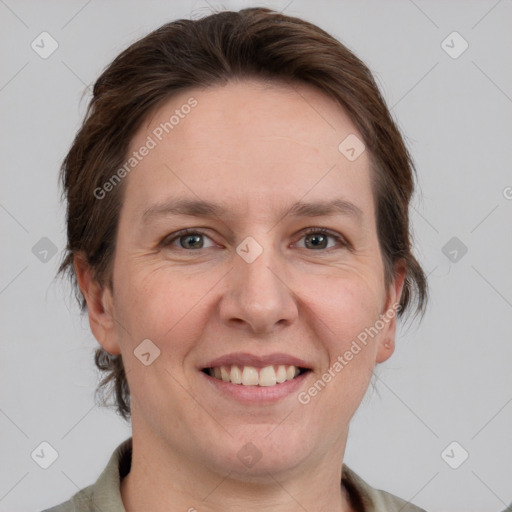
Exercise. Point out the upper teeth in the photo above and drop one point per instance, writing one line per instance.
(251, 376)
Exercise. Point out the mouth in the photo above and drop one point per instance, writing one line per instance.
(245, 375)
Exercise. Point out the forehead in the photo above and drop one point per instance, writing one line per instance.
(249, 108)
(250, 143)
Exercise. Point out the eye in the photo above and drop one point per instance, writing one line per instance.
(314, 238)
(187, 239)
(318, 238)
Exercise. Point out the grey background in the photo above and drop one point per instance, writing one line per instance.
(449, 379)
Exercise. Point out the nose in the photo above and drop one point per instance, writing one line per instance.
(259, 296)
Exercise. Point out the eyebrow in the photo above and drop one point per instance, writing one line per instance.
(201, 208)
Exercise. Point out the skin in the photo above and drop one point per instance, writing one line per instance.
(200, 304)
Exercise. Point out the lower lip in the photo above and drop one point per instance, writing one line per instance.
(257, 394)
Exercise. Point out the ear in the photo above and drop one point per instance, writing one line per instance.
(99, 306)
(386, 343)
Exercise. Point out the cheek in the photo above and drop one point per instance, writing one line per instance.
(160, 304)
(167, 310)
(346, 311)
(160, 301)
(347, 305)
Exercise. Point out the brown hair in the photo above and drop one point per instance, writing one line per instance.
(252, 43)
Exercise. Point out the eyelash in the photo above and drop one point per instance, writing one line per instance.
(167, 241)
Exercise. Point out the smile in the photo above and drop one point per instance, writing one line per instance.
(267, 376)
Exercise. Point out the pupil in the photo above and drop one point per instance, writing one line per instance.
(191, 238)
(317, 240)
(317, 237)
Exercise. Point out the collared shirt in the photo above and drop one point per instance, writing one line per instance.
(105, 494)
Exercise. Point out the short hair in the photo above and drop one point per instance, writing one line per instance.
(254, 43)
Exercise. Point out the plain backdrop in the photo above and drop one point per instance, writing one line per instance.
(449, 379)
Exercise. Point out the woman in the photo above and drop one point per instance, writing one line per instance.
(238, 233)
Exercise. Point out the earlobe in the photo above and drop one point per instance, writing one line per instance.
(389, 317)
(386, 349)
(99, 306)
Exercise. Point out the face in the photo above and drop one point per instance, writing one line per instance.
(279, 273)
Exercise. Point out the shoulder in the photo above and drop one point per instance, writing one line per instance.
(105, 493)
(367, 499)
(80, 502)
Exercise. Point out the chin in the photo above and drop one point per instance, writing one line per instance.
(267, 449)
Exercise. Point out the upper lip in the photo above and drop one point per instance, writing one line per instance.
(246, 359)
